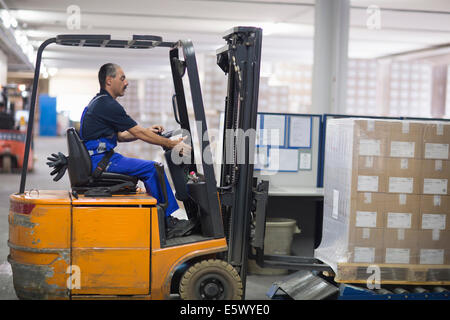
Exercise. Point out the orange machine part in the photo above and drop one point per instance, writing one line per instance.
(93, 247)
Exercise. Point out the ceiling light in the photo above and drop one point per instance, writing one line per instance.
(5, 18)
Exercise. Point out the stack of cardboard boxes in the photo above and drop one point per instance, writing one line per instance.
(386, 192)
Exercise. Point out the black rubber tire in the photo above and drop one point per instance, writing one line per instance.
(218, 274)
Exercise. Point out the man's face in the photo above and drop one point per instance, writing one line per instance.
(119, 83)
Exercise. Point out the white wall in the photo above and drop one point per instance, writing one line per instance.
(73, 91)
(3, 68)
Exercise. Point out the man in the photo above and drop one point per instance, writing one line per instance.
(104, 122)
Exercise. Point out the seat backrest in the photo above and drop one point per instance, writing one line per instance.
(79, 163)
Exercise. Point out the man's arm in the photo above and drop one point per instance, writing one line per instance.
(149, 136)
(125, 136)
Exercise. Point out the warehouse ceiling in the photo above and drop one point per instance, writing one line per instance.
(288, 27)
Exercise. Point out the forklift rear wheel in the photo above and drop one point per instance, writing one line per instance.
(211, 280)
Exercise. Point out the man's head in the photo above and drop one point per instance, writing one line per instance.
(112, 78)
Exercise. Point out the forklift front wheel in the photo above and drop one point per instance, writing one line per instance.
(211, 280)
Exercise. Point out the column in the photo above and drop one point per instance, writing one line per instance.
(331, 29)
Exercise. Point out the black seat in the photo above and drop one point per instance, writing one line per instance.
(80, 172)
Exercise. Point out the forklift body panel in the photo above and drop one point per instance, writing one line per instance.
(67, 248)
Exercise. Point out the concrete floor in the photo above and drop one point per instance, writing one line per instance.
(257, 285)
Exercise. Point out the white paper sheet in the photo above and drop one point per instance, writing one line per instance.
(273, 130)
(397, 255)
(436, 151)
(431, 256)
(283, 159)
(369, 147)
(305, 161)
(399, 220)
(335, 212)
(300, 132)
(435, 186)
(368, 183)
(401, 185)
(366, 219)
(364, 254)
(433, 221)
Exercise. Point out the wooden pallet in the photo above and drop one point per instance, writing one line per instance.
(406, 274)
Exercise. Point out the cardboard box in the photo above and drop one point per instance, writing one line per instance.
(365, 245)
(403, 239)
(370, 137)
(399, 168)
(370, 165)
(434, 204)
(435, 169)
(401, 202)
(401, 211)
(436, 132)
(405, 139)
(369, 174)
(403, 167)
(434, 247)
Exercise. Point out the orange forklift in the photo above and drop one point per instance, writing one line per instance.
(13, 105)
(105, 238)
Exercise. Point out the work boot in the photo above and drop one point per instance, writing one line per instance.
(178, 228)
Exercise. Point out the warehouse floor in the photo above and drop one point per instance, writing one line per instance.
(257, 285)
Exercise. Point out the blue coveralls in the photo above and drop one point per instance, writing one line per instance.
(142, 169)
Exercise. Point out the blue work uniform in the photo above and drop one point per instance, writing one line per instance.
(100, 122)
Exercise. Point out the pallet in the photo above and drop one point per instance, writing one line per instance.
(405, 274)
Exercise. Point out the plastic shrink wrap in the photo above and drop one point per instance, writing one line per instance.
(386, 199)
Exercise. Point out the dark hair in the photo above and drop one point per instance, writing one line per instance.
(106, 70)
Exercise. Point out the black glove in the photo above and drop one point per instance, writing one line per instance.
(59, 163)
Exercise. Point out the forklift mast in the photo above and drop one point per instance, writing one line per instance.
(240, 59)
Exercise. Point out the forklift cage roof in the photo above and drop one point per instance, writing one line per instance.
(179, 103)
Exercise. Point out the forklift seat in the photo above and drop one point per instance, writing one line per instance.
(80, 171)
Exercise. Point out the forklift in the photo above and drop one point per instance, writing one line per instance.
(106, 238)
(13, 110)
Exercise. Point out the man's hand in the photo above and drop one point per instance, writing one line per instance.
(180, 146)
(157, 128)
(148, 135)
